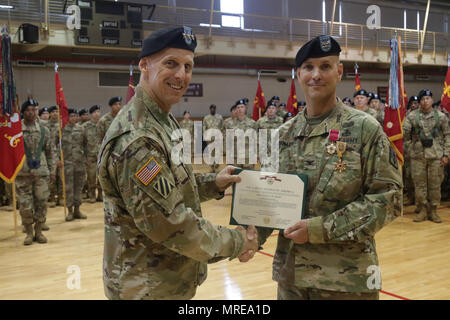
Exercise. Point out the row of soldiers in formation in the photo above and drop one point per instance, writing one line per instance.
(426, 140)
(40, 182)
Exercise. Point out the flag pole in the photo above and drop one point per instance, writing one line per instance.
(259, 109)
(13, 185)
(61, 155)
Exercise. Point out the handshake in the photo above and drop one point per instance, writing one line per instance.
(250, 242)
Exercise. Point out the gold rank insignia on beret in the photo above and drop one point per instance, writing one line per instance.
(163, 186)
(148, 171)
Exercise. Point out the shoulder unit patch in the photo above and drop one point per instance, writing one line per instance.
(163, 186)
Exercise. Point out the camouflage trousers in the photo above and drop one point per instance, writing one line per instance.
(32, 195)
(5, 193)
(445, 187)
(427, 175)
(407, 179)
(92, 182)
(296, 293)
(55, 187)
(74, 184)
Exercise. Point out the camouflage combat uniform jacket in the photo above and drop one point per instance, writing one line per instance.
(74, 150)
(103, 124)
(156, 242)
(32, 137)
(90, 139)
(344, 210)
(441, 143)
(212, 122)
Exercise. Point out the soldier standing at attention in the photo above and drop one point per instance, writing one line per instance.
(427, 138)
(32, 181)
(188, 125)
(268, 122)
(55, 187)
(354, 187)
(361, 101)
(84, 116)
(74, 165)
(212, 121)
(103, 124)
(243, 123)
(157, 243)
(91, 145)
(44, 114)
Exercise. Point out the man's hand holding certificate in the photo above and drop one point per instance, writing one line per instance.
(267, 199)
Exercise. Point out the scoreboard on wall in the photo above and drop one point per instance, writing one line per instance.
(108, 23)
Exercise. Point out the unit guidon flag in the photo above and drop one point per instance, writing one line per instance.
(148, 171)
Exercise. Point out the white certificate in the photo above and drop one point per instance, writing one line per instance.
(267, 199)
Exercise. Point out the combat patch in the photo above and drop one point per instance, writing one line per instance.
(163, 186)
(393, 157)
(148, 171)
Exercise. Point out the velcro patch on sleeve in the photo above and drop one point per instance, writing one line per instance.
(163, 186)
(148, 171)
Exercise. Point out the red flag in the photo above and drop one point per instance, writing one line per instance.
(394, 113)
(259, 104)
(11, 147)
(445, 99)
(357, 81)
(61, 100)
(130, 92)
(292, 100)
(11, 138)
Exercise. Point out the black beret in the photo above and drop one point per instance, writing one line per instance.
(186, 111)
(271, 103)
(347, 99)
(413, 98)
(361, 92)
(287, 115)
(423, 93)
(282, 104)
(173, 37)
(82, 111)
(94, 108)
(240, 102)
(374, 96)
(44, 109)
(320, 46)
(212, 106)
(52, 108)
(114, 100)
(72, 111)
(275, 98)
(26, 104)
(246, 100)
(233, 107)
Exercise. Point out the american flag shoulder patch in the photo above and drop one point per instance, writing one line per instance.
(148, 171)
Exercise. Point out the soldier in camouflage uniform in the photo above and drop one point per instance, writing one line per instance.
(55, 187)
(83, 118)
(44, 114)
(74, 165)
(241, 123)
(32, 181)
(91, 145)
(281, 110)
(188, 125)
(361, 100)
(408, 184)
(269, 122)
(228, 123)
(354, 188)
(212, 121)
(427, 137)
(156, 242)
(103, 124)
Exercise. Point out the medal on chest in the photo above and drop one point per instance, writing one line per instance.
(340, 166)
(333, 136)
